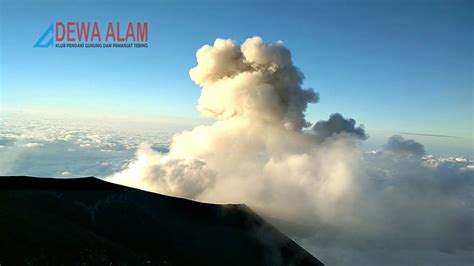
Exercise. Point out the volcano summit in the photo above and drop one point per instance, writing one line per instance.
(87, 221)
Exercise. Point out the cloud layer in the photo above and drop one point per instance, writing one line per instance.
(45, 145)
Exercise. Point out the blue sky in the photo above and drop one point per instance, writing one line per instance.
(402, 66)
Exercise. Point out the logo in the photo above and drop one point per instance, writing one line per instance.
(94, 35)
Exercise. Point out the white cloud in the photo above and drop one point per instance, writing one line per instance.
(32, 145)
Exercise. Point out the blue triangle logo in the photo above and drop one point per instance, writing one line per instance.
(41, 41)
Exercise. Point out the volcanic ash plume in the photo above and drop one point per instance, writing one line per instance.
(256, 152)
(255, 81)
(393, 206)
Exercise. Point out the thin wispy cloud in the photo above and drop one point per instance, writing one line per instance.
(429, 135)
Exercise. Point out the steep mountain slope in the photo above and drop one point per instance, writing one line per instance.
(87, 221)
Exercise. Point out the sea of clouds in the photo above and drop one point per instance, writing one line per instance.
(41, 144)
(396, 205)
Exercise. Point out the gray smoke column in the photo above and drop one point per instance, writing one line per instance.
(337, 124)
(396, 144)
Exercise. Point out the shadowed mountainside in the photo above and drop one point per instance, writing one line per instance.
(87, 221)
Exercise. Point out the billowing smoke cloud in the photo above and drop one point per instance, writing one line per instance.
(184, 177)
(256, 81)
(337, 124)
(347, 207)
(396, 144)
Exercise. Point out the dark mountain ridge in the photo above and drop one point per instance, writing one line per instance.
(87, 221)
